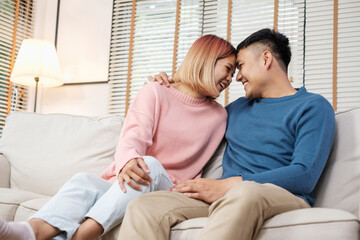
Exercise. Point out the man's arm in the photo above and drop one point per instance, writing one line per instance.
(314, 136)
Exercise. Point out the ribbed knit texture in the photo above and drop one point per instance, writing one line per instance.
(180, 131)
(285, 141)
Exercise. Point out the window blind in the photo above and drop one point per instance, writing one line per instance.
(153, 41)
(119, 56)
(152, 50)
(319, 47)
(16, 24)
(291, 23)
(198, 18)
(247, 17)
(348, 65)
(215, 22)
(308, 24)
(190, 27)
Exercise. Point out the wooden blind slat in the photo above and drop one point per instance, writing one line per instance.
(133, 11)
(176, 37)
(228, 37)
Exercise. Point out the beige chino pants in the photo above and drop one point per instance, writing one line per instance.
(238, 215)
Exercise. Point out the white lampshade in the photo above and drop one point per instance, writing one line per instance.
(37, 58)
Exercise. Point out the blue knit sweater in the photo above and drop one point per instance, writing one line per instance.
(285, 141)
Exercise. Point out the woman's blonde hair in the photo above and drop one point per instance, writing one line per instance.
(197, 69)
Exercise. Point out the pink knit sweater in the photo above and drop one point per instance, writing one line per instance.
(180, 131)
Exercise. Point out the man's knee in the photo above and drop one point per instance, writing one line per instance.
(243, 195)
(248, 190)
(248, 195)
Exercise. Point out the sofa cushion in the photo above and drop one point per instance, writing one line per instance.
(46, 150)
(213, 168)
(339, 185)
(29, 208)
(188, 229)
(310, 223)
(11, 199)
(4, 172)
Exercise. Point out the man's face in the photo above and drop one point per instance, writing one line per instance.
(250, 66)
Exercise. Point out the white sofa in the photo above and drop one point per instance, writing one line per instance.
(40, 152)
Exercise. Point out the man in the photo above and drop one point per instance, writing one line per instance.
(278, 141)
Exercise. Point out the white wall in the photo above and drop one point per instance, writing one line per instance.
(84, 99)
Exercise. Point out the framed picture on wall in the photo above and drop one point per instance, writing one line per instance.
(82, 39)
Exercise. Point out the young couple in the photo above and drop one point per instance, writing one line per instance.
(278, 141)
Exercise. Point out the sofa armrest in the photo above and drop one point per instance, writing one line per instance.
(4, 172)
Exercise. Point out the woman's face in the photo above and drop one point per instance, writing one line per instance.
(224, 71)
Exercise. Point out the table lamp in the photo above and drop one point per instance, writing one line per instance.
(37, 65)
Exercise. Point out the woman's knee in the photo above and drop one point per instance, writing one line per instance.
(152, 163)
(81, 176)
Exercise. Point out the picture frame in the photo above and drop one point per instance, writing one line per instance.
(82, 40)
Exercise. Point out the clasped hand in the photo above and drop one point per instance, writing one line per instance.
(134, 173)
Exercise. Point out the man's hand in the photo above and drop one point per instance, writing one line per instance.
(162, 78)
(208, 190)
(137, 170)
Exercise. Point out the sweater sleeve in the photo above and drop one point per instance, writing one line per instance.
(138, 129)
(314, 136)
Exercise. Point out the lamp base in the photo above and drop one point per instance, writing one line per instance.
(36, 90)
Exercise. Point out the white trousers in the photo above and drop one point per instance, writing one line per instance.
(86, 195)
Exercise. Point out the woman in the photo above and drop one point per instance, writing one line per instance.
(184, 115)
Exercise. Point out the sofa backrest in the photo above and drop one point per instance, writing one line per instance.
(44, 151)
(213, 168)
(339, 185)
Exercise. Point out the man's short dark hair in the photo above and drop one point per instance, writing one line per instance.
(277, 43)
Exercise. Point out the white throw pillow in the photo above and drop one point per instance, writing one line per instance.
(45, 150)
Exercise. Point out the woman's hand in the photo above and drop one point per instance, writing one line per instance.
(133, 173)
(162, 78)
